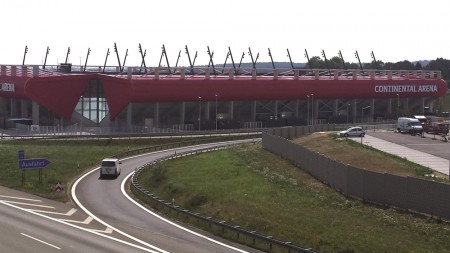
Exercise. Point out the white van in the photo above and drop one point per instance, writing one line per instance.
(409, 125)
(110, 167)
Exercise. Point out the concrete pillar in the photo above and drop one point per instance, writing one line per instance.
(406, 104)
(129, 116)
(253, 111)
(3, 106)
(354, 111)
(13, 112)
(35, 112)
(335, 107)
(372, 110)
(275, 109)
(231, 110)
(182, 112)
(157, 114)
(390, 106)
(297, 104)
(23, 109)
(207, 110)
(421, 109)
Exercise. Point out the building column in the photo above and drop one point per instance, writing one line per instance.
(129, 116)
(182, 112)
(157, 114)
(3, 106)
(23, 109)
(35, 112)
(422, 109)
(13, 112)
(335, 107)
(253, 111)
(297, 104)
(372, 110)
(354, 111)
(207, 110)
(390, 106)
(275, 109)
(231, 110)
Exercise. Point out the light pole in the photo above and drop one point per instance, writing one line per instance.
(81, 119)
(199, 112)
(307, 97)
(216, 112)
(312, 109)
(398, 103)
(362, 112)
(347, 112)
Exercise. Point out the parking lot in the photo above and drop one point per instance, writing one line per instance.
(430, 144)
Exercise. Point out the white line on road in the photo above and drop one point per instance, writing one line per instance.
(27, 204)
(69, 213)
(86, 221)
(11, 197)
(51, 245)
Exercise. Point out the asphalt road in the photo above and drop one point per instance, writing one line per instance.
(23, 230)
(427, 145)
(104, 200)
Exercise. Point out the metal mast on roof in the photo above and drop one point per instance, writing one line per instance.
(240, 62)
(357, 57)
(164, 53)
(143, 59)
(176, 64)
(271, 59)
(309, 62)
(106, 59)
(232, 60)
(342, 58)
(67, 55)
(225, 63)
(189, 57)
(24, 55)
(87, 56)
(124, 60)
(375, 60)
(326, 61)
(290, 60)
(211, 55)
(46, 54)
(117, 53)
(251, 56)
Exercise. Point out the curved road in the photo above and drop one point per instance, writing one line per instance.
(105, 200)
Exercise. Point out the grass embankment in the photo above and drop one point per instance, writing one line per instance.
(255, 189)
(69, 158)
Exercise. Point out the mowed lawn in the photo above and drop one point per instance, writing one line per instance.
(255, 189)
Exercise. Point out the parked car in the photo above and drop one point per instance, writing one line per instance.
(409, 125)
(353, 131)
(436, 128)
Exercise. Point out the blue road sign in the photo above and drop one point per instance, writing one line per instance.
(34, 163)
(21, 154)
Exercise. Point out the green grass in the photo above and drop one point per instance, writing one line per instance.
(255, 189)
(69, 158)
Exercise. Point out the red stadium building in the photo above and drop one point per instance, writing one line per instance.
(192, 99)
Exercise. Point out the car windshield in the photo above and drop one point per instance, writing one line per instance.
(108, 163)
(416, 124)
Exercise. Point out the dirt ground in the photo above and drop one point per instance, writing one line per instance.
(356, 156)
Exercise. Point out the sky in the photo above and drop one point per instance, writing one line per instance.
(393, 30)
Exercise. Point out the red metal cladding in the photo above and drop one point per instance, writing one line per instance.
(60, 94)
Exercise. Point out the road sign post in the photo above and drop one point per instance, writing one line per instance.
(29, 164)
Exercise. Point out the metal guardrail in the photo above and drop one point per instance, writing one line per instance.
(237, 230)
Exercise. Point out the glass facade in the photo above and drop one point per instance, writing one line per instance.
(92, 104)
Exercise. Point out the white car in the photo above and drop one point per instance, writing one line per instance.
(353, 131)
(110, 167)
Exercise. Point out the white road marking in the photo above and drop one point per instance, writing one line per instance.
(11, 197)
(69, 213)
(46, 243)
(80, 228)
(74, 196)
(27, 204)
(107, 230)
(86, 221)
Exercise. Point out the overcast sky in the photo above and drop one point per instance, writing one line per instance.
(394, 30)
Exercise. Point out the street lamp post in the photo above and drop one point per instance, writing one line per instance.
(307, 98)
(199, 112)
(347, 112)
(81, 119)
(216, 112)
(398, 103)
(362, 113)
(312, 109)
